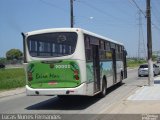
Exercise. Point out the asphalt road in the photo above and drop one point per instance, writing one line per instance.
(74, 105)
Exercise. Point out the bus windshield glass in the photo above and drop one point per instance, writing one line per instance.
(52, 44)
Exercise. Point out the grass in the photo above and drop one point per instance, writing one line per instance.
(12, 78)
(135, 63)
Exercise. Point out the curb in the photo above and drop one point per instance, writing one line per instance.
(13, 92)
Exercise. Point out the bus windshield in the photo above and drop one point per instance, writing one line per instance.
(52, 44)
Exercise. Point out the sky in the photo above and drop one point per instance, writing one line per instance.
(115, 19)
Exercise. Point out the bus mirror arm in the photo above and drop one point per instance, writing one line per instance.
(23, 35)
(126, 52)
(24, 47)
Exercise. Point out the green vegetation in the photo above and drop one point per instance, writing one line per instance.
(14, 54)
(2, 60)
(135, 62)
(12, 78)
(132, 63)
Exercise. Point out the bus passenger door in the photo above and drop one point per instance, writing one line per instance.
(96, 67)
(114, 66)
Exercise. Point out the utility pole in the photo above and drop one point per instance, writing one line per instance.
(149, 43)
(71, 13)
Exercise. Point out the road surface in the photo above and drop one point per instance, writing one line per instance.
(75, 105)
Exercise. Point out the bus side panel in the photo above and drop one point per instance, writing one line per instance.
(88, 90)
(119, 65)
(106, 69)
(90, 78)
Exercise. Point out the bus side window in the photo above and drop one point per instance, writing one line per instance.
(87, 42)
(107, 46)
(121, 53)
(53, 48)
(102, 49)
(88, 51)
(102, 45)
(108, 54)
(118, 54)
(33, 45)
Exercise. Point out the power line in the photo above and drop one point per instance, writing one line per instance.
(138, 7)
(156, 17)
(100, 10)
(141, 41)
(131, 3)
(155, 26)
(97, 9)
(155, 7)
(53, 5)
(154, 11)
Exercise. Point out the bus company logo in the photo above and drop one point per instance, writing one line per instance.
(46, 76)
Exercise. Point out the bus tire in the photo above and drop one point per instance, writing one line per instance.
(104, 87)
(121, 78)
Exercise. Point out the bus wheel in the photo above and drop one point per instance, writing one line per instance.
(104, 87)
(121, 78)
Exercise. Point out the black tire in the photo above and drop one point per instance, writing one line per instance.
(139, 75)
(104, 87)
(120, 83)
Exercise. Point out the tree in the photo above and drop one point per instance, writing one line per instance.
(14, 54)
(2, 60)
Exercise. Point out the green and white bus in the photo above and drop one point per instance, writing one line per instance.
(72, 61)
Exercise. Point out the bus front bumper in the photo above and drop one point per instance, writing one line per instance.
(80, 90)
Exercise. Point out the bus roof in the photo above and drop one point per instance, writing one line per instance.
(71, 30)
(101, 37)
